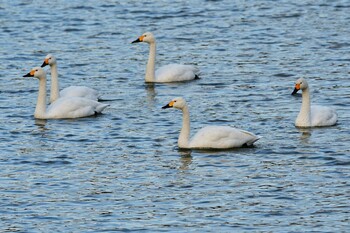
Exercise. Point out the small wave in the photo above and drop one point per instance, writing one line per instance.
(51, 162)
(283, 75)
(73, 30)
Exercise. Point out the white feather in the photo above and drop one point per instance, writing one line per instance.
(64, 107)
(210, 137)
(71, 91)
(168, 73)
(313, 115)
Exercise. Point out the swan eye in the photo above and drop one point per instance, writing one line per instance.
(36, 70)
(301, 82)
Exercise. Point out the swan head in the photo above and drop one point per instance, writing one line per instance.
(49, 60)
(36, 72)
(178, 103)
(300, 84)
(147, 37)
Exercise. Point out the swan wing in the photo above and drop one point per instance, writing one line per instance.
(80, 91)
(221, 137)
(323, 116)
(74, 107)
(176, 73)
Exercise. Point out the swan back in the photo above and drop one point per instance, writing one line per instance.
(74, 107)
(323, 116)
(80, 91)
(222, 137)
(176, 73)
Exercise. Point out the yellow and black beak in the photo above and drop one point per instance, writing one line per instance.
(140, 39)
(169, 105)
(296, 89)
(45, 63)
(30, 74)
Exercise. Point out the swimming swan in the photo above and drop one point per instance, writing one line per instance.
(311, 116)
(209, 137)
(167, 73)
(64, 107)
(76, 91)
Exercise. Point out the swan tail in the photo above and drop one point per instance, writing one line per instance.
(100, 108)
(251, 142)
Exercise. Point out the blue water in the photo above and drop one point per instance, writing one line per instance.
(122, 170)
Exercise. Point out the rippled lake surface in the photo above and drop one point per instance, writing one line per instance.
(123, 171)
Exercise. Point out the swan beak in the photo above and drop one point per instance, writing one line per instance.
(45, 63)
(136, 41)
(166, 106)
(140, 39)
(30, 74)
(169, 105)
(296, 89)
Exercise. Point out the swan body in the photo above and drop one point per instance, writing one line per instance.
(209, 137)
(315, 115)
(64, 107)
(73, 107)
(222, 137)
(72, 91)
(168, 73)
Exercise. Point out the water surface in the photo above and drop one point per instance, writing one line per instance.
(122, 171)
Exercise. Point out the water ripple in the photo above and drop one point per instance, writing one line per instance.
(122, 170)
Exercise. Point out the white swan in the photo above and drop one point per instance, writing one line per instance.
(312, 116)
(64, 107)
(168, 73)
(72, 91)
(209, 137)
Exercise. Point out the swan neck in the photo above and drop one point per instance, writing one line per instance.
(150, 68)
(305, 111)
(55, 89)
(40, 108)
(184, 137)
